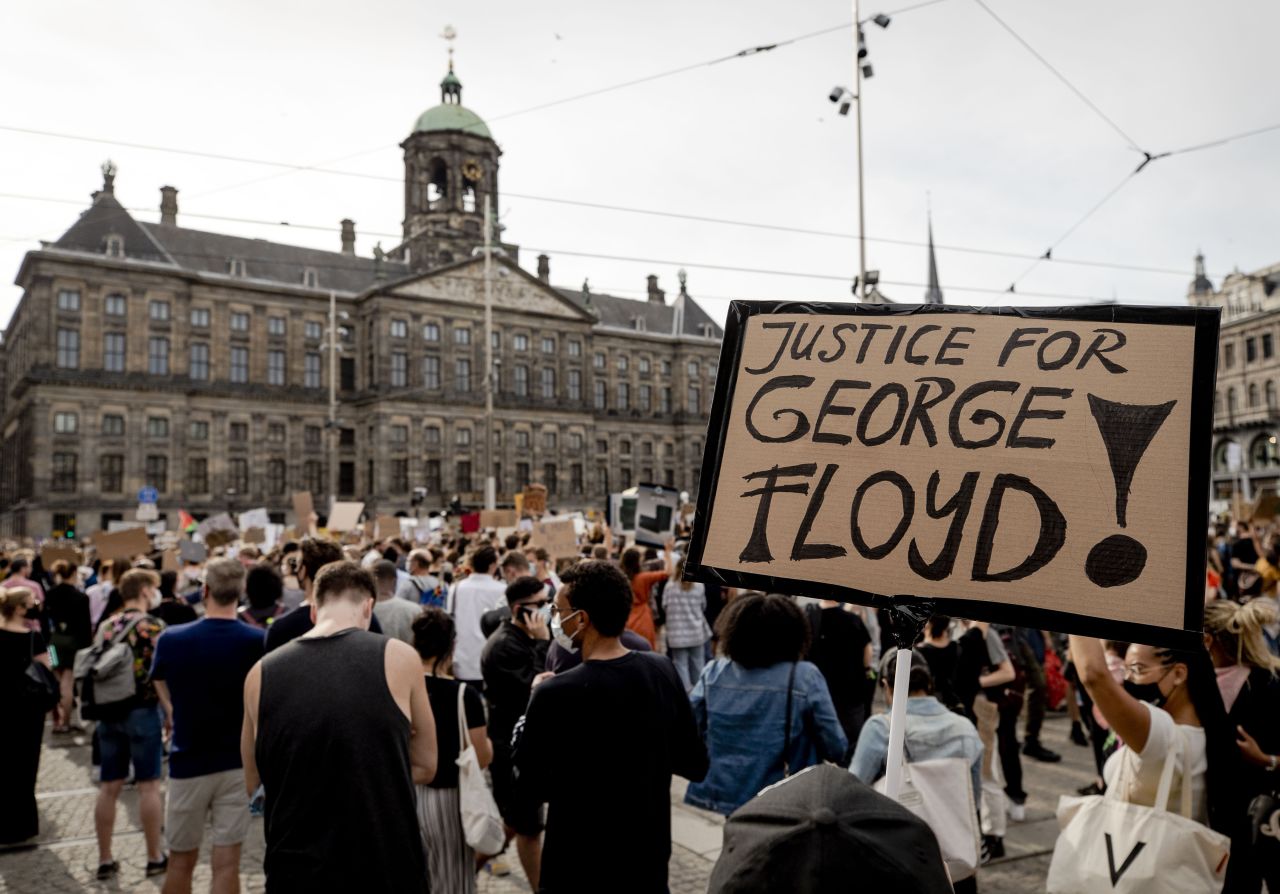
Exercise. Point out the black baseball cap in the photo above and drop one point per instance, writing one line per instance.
(823, 830)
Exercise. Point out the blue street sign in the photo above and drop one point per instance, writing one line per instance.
(148, 495)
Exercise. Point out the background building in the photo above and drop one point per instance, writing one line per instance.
(1246, 408)
(199, 364)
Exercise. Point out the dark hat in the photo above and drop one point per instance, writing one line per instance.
(821, 831)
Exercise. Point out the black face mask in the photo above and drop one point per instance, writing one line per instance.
(1146, 692)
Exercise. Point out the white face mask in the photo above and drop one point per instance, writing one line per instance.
(557, 630)
(155, 598)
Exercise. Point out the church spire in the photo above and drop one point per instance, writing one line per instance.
(450, 87)
(932, 294)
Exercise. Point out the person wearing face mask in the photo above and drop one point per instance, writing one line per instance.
(129, 732)
(600, 743)
(513, 656)
(1169, 703)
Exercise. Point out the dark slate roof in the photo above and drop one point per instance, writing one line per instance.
(104, 217)
(620, 313)
(274, 261)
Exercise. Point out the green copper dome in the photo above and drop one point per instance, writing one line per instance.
(450, 116)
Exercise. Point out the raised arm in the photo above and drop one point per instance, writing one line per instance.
(1125, 714)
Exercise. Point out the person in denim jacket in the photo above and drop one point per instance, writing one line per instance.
(933, 731)
(740, 702)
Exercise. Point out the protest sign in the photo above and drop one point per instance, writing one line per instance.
(388, 526)
(254, 518)
(1041, 467)
(345, 516)
(302, 509)
(1266, 506)
(622, 513)
(254, 535)
(192, 553)
(220, 522)
(558, 537)
(125, 544)
(655, 514)
(169, 561)
(469, 522)
(498, 518)
(534, 499)
(53, 552)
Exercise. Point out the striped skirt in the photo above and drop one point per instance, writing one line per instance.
(451, 864)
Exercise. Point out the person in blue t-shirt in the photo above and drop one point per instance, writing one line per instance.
(199, 671)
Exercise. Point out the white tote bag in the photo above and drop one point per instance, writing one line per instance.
(940, 792)
(481, 823)
(1108, 844)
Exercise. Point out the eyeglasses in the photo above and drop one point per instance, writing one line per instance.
(1140, 670)
(539, 604)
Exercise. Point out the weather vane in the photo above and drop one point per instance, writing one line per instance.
(450, 35)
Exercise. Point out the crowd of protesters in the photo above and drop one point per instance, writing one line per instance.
(337, 685)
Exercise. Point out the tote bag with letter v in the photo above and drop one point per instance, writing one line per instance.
(1108, 844)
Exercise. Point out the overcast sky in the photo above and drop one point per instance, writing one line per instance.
(957, 110)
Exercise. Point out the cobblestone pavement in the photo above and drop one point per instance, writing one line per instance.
(65, 855)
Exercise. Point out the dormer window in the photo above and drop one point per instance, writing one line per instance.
(309, 278)
(115, 246)
(637, 323)
(707, 330)
(235, 267)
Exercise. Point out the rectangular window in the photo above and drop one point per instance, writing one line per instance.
(313, 476)
(520, 380)
(624, 396)
(275, 326)
(238, 476)
(549, 440)
(622, 363)
(668, 478)
(312, 435)
(548, 383)
(111, 473)
(158, 356)
(575, 478)
(275, 367)
(693, 369)
(65, 423)
(276, 432)
(311, 370)
(625, 476)
(200, 317)
(550, 478)
(275, 477)
(1268, 348)
(463, 479)
(575, 384)
(1250, 350)
(462, 375)
(157, 472)
(664, 405)
(63, 479)
(575, 348)
(311, 330)
(68, 349)
(431, 477)
(347, 373)
(238, 432)
(693, 402)
(157, 427)
(624, 447)
(666, 367)
(159, 311)
(240, 365)
(239, 321)
(198, 430)
(113, 352)
(431, 434)
(461, 335)
(113, 426)
(520, 342)
(644, 398)
(114, 306)
(399, 328)
(69, 299)
(643, 366)
(198, 475)
(602, 394)
(602, 447)
(398, 434)
(522, 474)
(462, 437)
(1228, 355)
(548, 344)
(522, 441)
(399, 369)
(199, 366)
(599, 361)
(431, 372)
(399, 476)
(346, 437)
(431, 332)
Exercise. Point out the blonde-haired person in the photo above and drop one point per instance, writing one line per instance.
(1250, 687)
(687, 630)
(23, 723)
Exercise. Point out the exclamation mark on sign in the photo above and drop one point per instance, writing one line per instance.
(1127, 430)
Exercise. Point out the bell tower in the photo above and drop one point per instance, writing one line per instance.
(450, 168)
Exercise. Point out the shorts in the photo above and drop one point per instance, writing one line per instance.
(136, 740)
(522, 815)
(218, 796)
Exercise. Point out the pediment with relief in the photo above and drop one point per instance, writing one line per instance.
(514, 291)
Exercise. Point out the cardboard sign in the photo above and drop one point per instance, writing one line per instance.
(388, 527)
(1266, 506)
(169, 561)
(254, 535)
(254, 518)
(192, 553)
(534, 499)
(498, 518)
(655, 514)
(302, 509)
(345, 516)
(51, 553)
(122, 544)
(558, 537)
(1040, 467)
(219, 522)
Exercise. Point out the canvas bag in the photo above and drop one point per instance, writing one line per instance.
(1108, 844)
(481, 822)
(940, 792)
(108, 667)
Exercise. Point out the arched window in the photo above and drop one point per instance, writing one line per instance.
(468, 196)
(437, 184)
(1220, 452)
(1263, 452)
(1253, 395)
(1232, 403)
(1271, 395)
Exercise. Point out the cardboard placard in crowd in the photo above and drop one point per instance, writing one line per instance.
(1038, 467)
(558, 537)
(125, 544)
(254, 518)
(1266, 506)
(192, 553)
(220, 537)
(345, 517)
(534, 499)
(254, 535)
(655, 514)
(303, 509)
(169, 560)
(220, 522)
(51, 553)
(498, 518)
(388, 527)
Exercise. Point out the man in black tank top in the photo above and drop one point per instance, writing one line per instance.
(338, 728)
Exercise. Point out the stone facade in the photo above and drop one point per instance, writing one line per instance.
(199, 364)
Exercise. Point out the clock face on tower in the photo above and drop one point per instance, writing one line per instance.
(472, 170)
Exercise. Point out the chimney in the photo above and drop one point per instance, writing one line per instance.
(544, 268)
(656, 295)
(169, 206)
(348, 236)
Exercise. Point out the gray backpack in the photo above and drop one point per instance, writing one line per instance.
(104, 671)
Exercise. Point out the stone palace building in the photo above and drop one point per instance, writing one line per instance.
(156, 355)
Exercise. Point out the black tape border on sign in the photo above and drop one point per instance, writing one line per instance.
(1205, 320)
